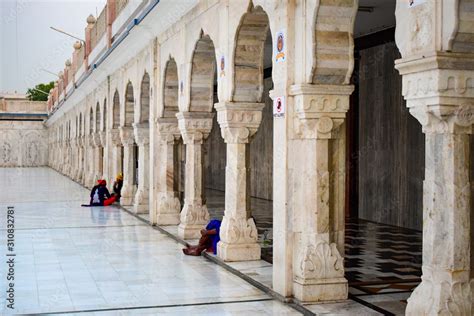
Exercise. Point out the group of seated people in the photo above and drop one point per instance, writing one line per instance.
(100, 196)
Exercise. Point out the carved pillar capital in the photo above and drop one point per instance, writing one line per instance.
(102, 138)
(194, 126)
(440, 92)
(127, 136)
(115, 137)
(239, 121)
(320, 109)
(142, 134)
(168, 130)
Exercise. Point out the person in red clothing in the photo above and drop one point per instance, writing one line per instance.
(100, 195)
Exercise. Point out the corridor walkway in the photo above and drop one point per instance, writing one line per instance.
(72, 259)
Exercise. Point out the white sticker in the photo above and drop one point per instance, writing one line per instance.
(414, 3)
(279, 107)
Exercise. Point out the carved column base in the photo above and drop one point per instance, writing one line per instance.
(127, 195)
(168, 208)
(317, 290)
(238, 239)
(194, 217)
(140, 205)
(442, 293)
(238, 252)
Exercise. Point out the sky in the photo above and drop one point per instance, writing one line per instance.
(27, 44)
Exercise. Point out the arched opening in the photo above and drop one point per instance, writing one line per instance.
(98, 117)
(104, 117)
(252, 83)
(117, 148)
(142, 150)
(170, 108)
(130, 150)
(129, 106)
(91, 121)
(385, 154)
(145, 99)
(116, 110)
(203, 97)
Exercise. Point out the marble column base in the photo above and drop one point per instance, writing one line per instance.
(168, 209)
(190, 231)
(441, 294)
(238, 252)
(127, 195)
(141, 204)
(309, 291)
(193, 217)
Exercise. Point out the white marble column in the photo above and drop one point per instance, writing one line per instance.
(103, 162)
(195, 128)
(168, 205)
(142, 137)
(317, 200)
(89, 161)
(80, 160)
(238, 123)
(129, 188)
(440, 94)
(116, 153)
(96, 156)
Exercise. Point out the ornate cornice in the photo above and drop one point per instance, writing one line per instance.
(320, 109)
(127, 135)
(142, 134)
(439, 93)
(239, 121)
(168, 130)
(194, 126)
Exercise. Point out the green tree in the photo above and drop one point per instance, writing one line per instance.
(40, 92)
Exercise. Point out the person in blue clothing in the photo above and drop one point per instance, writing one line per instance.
(100, 196)
(208, 241)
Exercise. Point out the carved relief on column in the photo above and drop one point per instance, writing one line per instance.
(195, 128)
(238, 122)
(168, 205)
(320, 111)
(440, 95)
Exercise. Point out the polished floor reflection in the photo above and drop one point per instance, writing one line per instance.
(103, 260)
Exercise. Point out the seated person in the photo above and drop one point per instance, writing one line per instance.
(208, 241)
(100, 196)
(118, 186)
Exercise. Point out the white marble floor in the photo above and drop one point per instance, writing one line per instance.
(72, 259)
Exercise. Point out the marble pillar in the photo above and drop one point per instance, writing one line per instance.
(116, 153)
(440, 93)
(103, 163)
(89, 162)
(129, 189)
(195, 128)
(238, 123)
(80, 166)
(96, 156)
(168, 205)
(318, 178)
(142, 137)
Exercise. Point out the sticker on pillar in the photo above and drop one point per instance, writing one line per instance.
(414, 3)
(280, 55)
(279, 107)
(222, 67)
